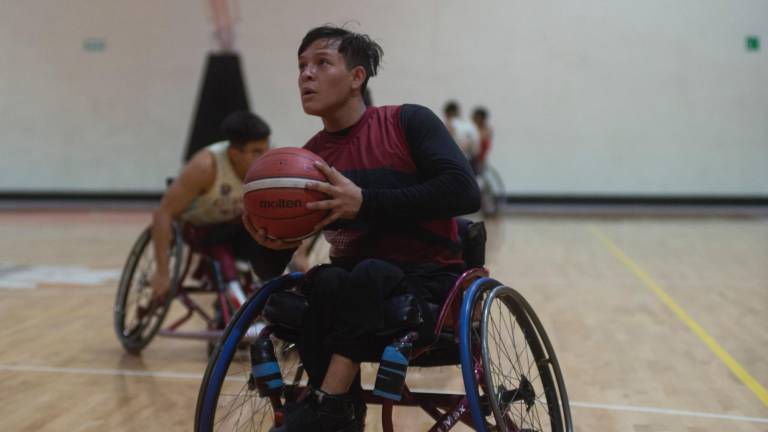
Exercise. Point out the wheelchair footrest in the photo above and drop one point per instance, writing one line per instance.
(392, 369)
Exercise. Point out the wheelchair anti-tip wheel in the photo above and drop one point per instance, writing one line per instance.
(135, 322)
(521, 373)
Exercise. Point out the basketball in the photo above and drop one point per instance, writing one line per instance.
(275, 196)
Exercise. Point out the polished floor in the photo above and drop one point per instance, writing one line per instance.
(660, 323)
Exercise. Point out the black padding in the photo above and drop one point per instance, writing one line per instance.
(400, 313)
(285, 309)
(444, 352)
(473, 238)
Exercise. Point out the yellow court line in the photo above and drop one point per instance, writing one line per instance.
(708, 340)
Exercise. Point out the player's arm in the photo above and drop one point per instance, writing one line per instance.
(195, 179)
(449, 187)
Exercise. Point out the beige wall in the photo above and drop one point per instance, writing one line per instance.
(590, 97)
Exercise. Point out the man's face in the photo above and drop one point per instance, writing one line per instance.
(242, 158)
(325, 83)
(478, 120)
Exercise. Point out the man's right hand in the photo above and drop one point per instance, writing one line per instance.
(161, 284)
(261, 238)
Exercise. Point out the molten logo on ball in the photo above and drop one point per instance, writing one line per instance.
(279, 203)
(275, 193)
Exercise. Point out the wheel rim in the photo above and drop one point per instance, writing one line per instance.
(134, 331)
(139, 295)
(515, 370)
(226, 402)
(470, 354)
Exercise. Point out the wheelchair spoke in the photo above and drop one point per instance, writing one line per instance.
(244, 406)
(240, 407)
(517, 371)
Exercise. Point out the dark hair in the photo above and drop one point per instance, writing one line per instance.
(480, 112)
(241, 127)
(451, 108)
(357, 49)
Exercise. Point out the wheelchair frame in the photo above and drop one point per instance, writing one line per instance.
(458, 313)
(209, 272)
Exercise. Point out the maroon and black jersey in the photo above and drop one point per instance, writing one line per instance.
(414, 181)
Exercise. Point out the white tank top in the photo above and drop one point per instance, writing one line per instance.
(224, 200)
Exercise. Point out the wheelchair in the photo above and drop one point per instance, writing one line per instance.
(136, 324)
(492, 191)
(512, 379)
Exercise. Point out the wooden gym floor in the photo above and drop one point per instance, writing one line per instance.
(660, 323)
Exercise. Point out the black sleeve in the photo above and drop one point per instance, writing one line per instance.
(269, 263)
(448, 187)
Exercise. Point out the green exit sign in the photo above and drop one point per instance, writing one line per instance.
(753, 43)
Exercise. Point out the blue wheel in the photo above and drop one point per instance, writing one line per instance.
(470, 349)
(511, 375)
(227, 401)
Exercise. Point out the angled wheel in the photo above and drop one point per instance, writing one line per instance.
(135, 323)
(492, 193)
(228, 399)
(520, 369)
(470, 347)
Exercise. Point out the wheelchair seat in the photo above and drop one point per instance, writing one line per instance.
(400, 313)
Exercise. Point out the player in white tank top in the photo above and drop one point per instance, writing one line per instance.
(209, 188)
(223, 201)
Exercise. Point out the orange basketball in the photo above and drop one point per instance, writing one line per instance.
(275, 196)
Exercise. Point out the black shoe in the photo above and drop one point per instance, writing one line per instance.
(361, 409)
(321, 412)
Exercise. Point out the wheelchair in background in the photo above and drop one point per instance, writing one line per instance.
(193, 270)
(493, 195)
(512, 379)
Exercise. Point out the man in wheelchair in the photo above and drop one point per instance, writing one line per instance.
(396, 181)
(207, 198)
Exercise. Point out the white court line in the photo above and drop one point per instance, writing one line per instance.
(193, 376)
(29, 277)
(109, 372)
(667, 411)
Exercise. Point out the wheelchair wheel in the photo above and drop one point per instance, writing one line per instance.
(492, 192)
(217, 324)
(135, 326)
(227, 401)
(520, 370)
(470, 347)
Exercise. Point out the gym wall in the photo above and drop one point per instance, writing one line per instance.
(599, 98)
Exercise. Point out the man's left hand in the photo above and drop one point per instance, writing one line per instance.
(345, 197)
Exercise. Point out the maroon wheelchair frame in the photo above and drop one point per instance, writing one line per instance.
(208, 270)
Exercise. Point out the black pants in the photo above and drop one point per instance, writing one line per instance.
(345, 308)
(226, 241)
